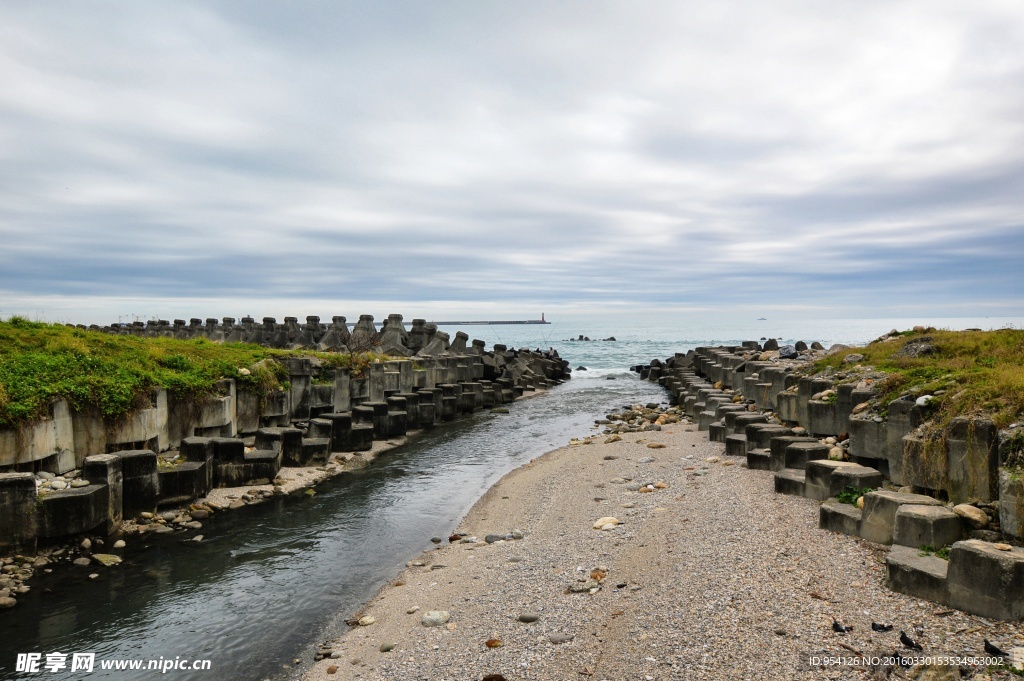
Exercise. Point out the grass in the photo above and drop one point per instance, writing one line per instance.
(975, 372)
(851, 494)
(40, 363)
(941, 552)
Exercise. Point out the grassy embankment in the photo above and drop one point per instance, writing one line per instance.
(971, 373)
(91, 370)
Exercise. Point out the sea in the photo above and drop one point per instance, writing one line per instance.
(268, 582)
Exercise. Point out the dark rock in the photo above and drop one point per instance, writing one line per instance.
(788, 352)
(986, 535)
(917, 347)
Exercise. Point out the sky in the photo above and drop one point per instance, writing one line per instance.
(485, 159)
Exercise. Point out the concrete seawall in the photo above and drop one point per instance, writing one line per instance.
(76, 472)
(956, 492)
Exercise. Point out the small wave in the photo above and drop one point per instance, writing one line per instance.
(617, 373)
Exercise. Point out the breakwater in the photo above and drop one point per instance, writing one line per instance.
(872, 463)
(422, 338)
(77, 472)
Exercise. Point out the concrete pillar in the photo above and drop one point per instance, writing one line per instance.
(105, 469)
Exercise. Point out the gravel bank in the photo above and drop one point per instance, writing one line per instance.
(713, 576)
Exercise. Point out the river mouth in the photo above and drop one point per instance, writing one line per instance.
(270, 580)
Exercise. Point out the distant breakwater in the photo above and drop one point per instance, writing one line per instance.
(423, 338)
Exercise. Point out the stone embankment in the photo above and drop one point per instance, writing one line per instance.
(952, 514)
(170, 465)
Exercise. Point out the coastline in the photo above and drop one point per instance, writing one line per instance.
(714, 576)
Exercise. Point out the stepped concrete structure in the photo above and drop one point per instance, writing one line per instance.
(817, 437)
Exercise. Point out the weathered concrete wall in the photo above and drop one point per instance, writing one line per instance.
(122, 473)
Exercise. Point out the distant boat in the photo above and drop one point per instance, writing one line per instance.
(762, 319)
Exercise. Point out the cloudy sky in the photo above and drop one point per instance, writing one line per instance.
(474, 158)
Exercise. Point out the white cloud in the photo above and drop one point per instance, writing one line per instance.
(482, 151)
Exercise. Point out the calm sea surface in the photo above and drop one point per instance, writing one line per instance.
(270, 580)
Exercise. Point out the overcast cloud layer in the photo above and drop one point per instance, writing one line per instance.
(176, 159)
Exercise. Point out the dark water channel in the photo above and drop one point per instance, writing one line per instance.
(270, 580)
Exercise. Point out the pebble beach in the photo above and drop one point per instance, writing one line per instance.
(651, 556)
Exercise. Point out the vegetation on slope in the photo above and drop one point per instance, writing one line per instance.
(966, 372)
(90, 369)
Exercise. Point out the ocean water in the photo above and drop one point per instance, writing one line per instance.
(641, 339)
(271, 580)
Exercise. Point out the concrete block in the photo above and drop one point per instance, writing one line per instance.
(18, 521)
(818, 479)
(972, 447)
(867, 438)
(736, 445)
(777, 449)
(199, 450)
(183, 483)
(361, 437)
(790, 481)
(904, 416)
(717, 432)
(736, 422)
(758, 460)
(925, 463)
(247, 411)
(341, 430)
(908, 572)
(857, 476)
(1011, 502)
(106, 469)
(227, 449)
(879, 518)
(276, 409)
(319, 428)
(287, 441)
(144, 428)
(986, 581)
(315, 450)
(52, 439)
(73, 511)
(759, 435)
(934, 526)
(786, 407)
(839, 517)
(799, 453)
(821, 418)
(141, 482)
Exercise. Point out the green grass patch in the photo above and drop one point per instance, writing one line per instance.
(941, 552)
(975, 372)
(851, 494)
(40, 363)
